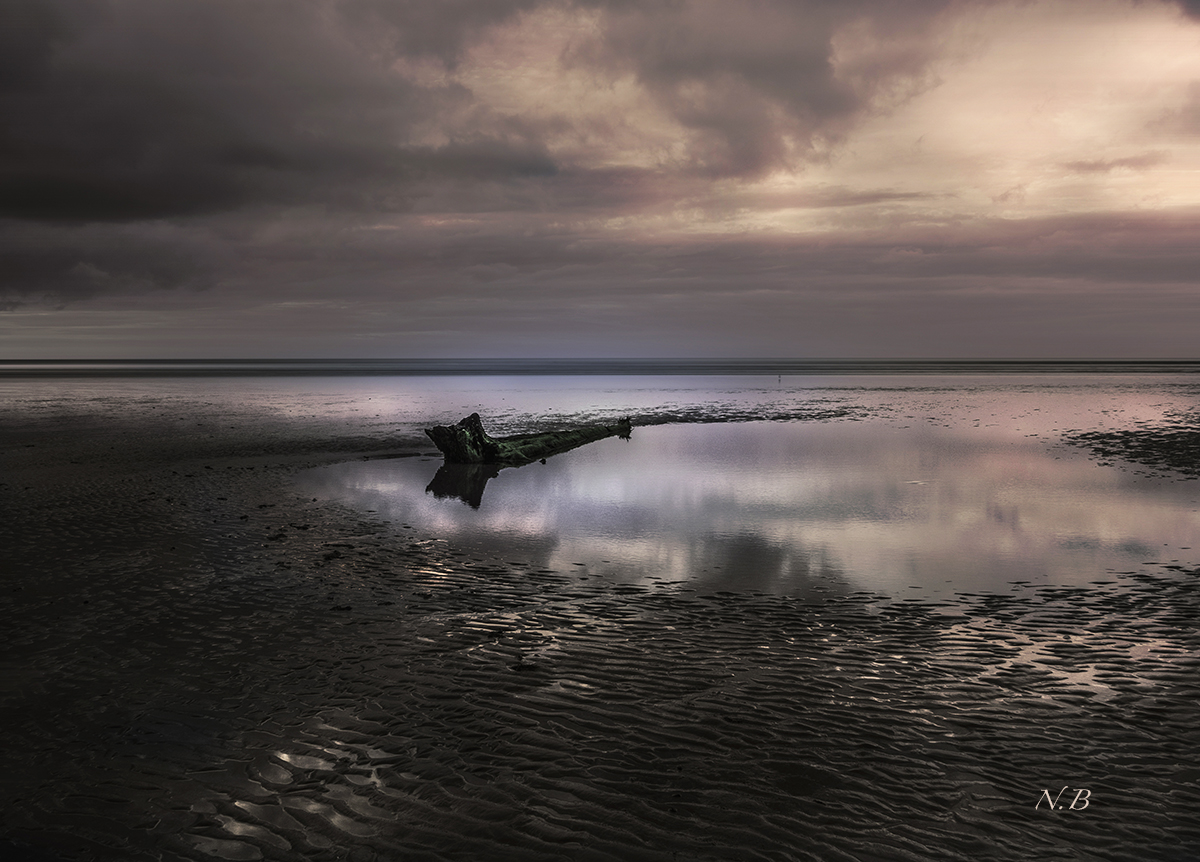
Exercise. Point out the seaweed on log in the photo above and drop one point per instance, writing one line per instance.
(467, 442)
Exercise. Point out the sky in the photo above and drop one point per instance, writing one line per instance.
(599, 178)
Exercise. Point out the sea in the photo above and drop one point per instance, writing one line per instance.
(759, 475)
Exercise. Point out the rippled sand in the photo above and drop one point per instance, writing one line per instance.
(199, 664)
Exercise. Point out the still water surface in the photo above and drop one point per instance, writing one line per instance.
(930, 492)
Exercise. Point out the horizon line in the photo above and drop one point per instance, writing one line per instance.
(676, 366)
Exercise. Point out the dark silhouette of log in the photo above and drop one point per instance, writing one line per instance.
(468, 443)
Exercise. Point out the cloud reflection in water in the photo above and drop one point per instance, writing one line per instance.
(783, 506)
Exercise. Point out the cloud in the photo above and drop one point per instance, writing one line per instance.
(1104, 166)
(768, 84)
(28, 30)
(1182, 120)
(508, 283)
(150, 109)
(67, 263)
(417, 28)
(159, 108)
(1190, 7)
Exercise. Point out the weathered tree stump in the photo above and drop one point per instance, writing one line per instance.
(468, 443)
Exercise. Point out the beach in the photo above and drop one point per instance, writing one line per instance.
(201, 662)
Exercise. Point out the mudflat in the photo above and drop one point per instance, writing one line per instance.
(201, 663)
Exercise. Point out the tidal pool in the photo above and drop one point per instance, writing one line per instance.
(786, 507)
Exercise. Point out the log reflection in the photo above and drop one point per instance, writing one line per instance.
(463, 481)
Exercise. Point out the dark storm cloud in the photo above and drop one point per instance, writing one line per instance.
(525, 258)
(28, 31)
(1191, 7)
(151, 109)
(179, 109)
(414, 28)
(1085, 249)
(157, 108)
(66, 263)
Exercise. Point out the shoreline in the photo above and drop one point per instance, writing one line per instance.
(204, 665)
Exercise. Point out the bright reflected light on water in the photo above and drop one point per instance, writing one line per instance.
(905, 509)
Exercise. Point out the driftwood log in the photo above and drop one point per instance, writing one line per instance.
(468, 443)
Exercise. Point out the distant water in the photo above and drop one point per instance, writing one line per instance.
(606, 367)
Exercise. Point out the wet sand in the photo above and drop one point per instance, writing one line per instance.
(201, 664)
